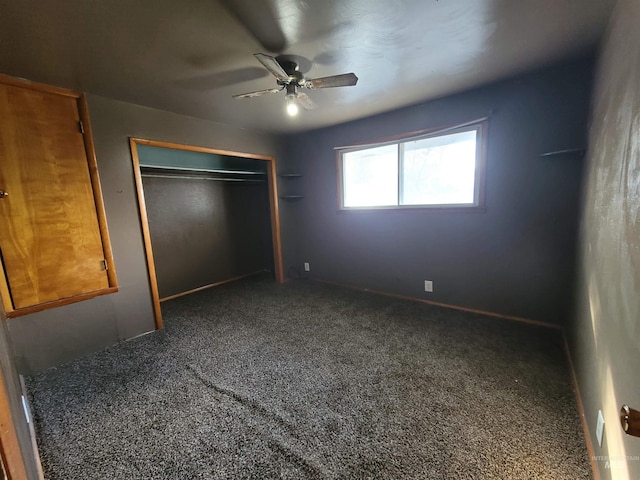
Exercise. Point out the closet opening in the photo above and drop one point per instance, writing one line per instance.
(208, 217)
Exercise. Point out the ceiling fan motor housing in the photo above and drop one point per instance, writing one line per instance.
(288, 66)
(295, 76)
(291, 88)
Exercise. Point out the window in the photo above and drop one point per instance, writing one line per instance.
(441, 169)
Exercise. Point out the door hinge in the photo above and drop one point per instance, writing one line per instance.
(81, 125)
(103, 264)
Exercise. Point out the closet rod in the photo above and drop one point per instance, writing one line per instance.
(186, 177)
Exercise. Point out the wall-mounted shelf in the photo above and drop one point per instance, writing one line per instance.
(574, 152)
(291, 197)
(291, 176)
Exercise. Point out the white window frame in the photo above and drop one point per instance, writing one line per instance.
(479, 126)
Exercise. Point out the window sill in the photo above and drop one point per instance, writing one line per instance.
(416, 209)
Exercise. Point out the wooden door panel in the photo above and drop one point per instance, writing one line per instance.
(49, 233)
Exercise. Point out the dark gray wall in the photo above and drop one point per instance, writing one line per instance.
(54, 336)
(203, 231)
(516, 258)
(606, 335)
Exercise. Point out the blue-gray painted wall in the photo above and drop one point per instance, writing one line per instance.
(515, 258)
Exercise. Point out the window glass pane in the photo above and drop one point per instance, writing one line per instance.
(370, 177)
(440, 170)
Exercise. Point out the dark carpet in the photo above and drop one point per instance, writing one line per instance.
(305, 380)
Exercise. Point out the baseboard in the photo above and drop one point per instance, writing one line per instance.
(211, 285)
(135, 337)
(32, 432)
(537, 323)
(583, 418)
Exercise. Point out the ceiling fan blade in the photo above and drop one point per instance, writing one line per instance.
(260, 22)
(273, 66)
(304, 101)
(343, 80)
(259, 93)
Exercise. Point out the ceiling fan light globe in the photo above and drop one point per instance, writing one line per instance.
(292, 106)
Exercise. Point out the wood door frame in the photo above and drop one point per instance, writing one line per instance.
(144, 221)
(13, 457)
(9, 444)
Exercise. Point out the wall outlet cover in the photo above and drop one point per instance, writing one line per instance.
(306, 266)
(600, 428)
(428, 286)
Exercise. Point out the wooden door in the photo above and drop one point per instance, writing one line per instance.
(50, 237)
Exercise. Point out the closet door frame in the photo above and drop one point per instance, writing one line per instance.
(144, 221)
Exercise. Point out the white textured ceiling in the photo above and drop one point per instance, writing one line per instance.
(191, 56)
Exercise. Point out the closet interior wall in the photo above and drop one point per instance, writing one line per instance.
(207, 225)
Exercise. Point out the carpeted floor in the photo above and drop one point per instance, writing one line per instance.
(304, 380)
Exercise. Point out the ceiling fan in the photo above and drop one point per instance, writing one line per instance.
(290, 78)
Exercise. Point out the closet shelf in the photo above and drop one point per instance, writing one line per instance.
(579, 152)
(187, 173)
(169, 169)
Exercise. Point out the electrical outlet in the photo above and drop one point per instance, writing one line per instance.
(306, 266)
(428, 286)
(600, 428)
